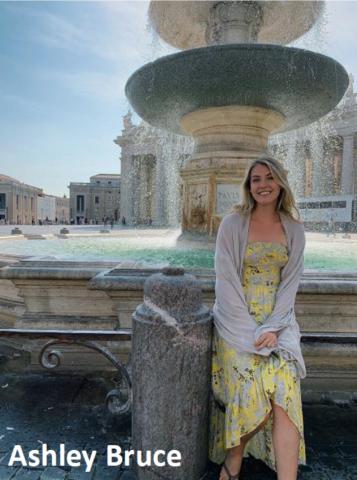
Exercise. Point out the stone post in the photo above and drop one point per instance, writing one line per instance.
(171, 362)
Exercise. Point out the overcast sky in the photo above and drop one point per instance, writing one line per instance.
(63, 68)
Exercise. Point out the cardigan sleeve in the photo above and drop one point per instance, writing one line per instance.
(283, 313)
(230, 299)
(227, 279)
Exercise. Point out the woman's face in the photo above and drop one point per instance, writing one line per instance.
(263, 187)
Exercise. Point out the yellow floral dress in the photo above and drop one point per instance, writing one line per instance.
(244, 384)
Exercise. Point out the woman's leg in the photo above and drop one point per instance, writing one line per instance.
(286, 442)
(234, 455)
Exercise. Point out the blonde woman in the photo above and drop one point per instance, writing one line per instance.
(257, 363)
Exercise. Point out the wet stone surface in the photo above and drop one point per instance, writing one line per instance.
(70, 409)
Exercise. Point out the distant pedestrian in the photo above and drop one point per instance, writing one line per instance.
(331, 225)
(112, 223)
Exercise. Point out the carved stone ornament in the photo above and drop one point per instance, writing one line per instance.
(234, 22)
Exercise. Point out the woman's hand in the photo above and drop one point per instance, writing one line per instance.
(268, 339)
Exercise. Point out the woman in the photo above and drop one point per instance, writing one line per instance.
(257, 362)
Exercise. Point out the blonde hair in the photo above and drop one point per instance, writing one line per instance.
(286, 202)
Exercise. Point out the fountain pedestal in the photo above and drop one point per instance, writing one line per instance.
(227, 139)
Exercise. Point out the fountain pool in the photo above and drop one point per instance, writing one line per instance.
(161, 248)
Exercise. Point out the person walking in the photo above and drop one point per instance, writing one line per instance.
(257, 362)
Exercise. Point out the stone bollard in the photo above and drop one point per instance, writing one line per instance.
(64, 231)
(16, 231)
(171, 362)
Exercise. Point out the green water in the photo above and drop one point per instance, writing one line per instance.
(332, 255)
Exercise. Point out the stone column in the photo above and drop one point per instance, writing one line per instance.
(317, 152)
(171, 361)
(296, 174)
(160, 182)
(347, 165)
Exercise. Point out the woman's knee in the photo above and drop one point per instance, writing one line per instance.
(281, 418)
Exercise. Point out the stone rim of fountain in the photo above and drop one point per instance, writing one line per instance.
(175, 85)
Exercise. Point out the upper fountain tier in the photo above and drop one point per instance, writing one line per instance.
(234, 70)
(186, 24)
(301, 85)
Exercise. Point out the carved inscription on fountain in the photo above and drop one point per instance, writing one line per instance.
(227, 194)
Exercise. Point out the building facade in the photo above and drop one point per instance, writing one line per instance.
(18, 201)
(53, 209)
(96, 201)
(46, 208)
(62, 209)
(322, 164)
(150, 169)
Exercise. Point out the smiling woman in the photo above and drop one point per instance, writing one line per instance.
(257, 362)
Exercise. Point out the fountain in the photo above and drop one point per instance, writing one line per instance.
(229, 92)
(230, 96)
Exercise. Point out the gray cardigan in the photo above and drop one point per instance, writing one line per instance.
(231, 316)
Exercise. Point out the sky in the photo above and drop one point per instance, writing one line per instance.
(63, 69)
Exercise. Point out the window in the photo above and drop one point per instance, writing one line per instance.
(32, 203)
(17, 202)
(339, 204)
(325, 204)
(2, 201)
(80, 203)
(109, 182)
(96, 200)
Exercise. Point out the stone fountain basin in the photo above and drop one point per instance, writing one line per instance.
(301, 85)
(183, 24)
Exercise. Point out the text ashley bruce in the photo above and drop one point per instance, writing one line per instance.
(116, 457)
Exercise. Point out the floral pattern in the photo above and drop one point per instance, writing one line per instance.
(244, 384)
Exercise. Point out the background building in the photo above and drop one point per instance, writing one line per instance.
(62, 209)
(46, 208)
(150, 169)
(97, 200)
(18, 201)
(52, 209)
(322, 164)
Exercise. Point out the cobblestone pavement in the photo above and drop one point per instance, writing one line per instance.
(57, 409)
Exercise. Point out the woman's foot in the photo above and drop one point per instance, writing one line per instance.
(226, 474)
(230, 469)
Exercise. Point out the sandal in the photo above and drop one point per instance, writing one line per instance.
(230, 476)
